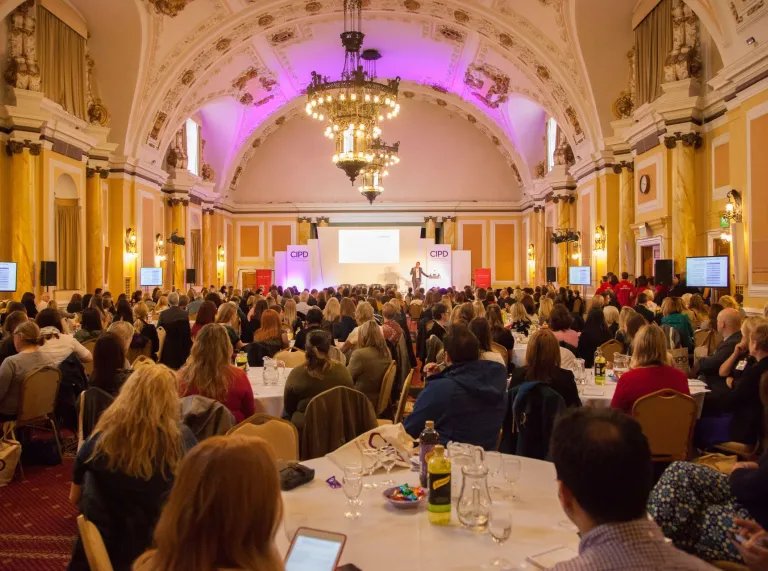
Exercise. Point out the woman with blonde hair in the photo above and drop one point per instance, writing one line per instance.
(545, 309)
(740, 360)
(697, 312)
(209, 372)
(145, 329)
(598, 301)
(369, 361)
(162, 305)
(521, 323)
(446, 300)
(331, 315)
(203, 527)
(125, 469)
(624, 315)
(363, 313)
(227, 317)
(728, 302)
(649, 370)
(291, 320)
(611, 314)
(478, 309)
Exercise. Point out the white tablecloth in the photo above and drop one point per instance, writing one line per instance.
(600, 396)
(267, 399)
(518, 358)
(386, 539)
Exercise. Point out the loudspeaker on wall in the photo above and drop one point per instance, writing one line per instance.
(48, 274)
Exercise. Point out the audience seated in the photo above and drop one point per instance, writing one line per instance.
(643, 308)
(621, 331)
(209, 372)
(604, 477)
(254, 315)
(292, 322)
(740, 360)
(594, 334)
(482, 331)
(520, 322)
(314, 322)
(369, 361)
(634, 323)
(109, 370)
(90, 325)
(14, 369)
(124, 312)
(560, 322)
(145, 332)
(672, 310)
(466, 399)
(390, 328)
(499, 333)
(319, 373)
(124, 330)
(171, 313)
(8, 345)
(206, 314)
(649, 370)
(75, 304)
(227, 318)
(124, 471)
(59, 345)
(363, 312)
(708, 368)
(696, 310)
(332, 316)
(611, 315)
(205, 523)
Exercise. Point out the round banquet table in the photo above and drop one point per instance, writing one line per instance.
(518, 357)
(600, 396)
(267, 399)
(384, 538)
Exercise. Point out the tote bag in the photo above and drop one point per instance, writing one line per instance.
(10, 454)
(679, 356)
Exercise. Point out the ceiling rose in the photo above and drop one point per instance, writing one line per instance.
(169, 7)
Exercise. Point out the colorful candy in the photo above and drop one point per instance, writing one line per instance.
(406, 493)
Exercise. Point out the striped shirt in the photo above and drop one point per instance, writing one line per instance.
(636, 545)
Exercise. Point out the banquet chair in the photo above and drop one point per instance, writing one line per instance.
(385, 392)
(280, 434)
(610, 348)
(415, 311)
(88, 367)
(402, 403)
(134, 352)
(501, 350)
(37, 403)
(292, 358)
(95, 550)
(434, 346)
(667, 418)
(161, 338)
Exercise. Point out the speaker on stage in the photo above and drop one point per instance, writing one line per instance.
(191, 277)
(48, 274)
(551, 274)
(663, 272)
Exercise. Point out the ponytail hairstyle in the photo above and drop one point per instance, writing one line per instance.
(318, 361)
(29, 333)
(141, 311)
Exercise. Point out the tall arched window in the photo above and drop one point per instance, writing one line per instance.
(193, 147)
(551, 142)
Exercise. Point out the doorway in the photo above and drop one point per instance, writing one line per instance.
(648, 255)
(721, 247)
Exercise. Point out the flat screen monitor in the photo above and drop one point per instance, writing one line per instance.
(707, 271)
(580, 275)
(151, 277)
(7, 276)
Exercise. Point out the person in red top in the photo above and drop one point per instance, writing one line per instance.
(208, 372)
(625, 291)
(605, 285)
(649, 371)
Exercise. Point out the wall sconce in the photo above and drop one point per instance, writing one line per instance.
(159, 248)
(576, 251)
(220, 255)
(733, 206)
(599, 244)
(531, 253)
(726, 236)
(130, 243)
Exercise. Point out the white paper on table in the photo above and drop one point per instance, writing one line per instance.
(594, 391)
(550, 558)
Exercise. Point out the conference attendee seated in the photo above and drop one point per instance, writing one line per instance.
(673, 316)
(594, 334)
(543, 363)
(611, 315)
(172, 313)
(740, 361)
(292, 321)
(205, 314)
(178, 334)
(109, 371)
(208, 523)
(209, 372)
(604, 477)
(479, 326)
(59, 345)
(560, 322)
(643, 309)
(369, 361)
(90, 325)
(741, 398)
(499, 333)
(331, 315)
(649, 370)
(314, 323)
(363, 313)
(634, 324)
(466, 399)
(268, 340)
(195, 302)
(347, 322)
(318, 374)
(708, 368)
(228, 319)
(621, 332)
(124, 471)
(14, 369)
(125, 331)
(521, 323)
(145, 332)
(696, 310)
(12, 321)
(123, 311)
(391, 328)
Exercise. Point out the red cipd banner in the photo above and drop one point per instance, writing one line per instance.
(263, 279)
(483, 277)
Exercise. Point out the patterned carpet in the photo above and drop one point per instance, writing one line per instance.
(37, 522)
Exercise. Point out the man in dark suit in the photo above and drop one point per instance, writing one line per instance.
(642, 308)
(708, 368)
(173, 313)
(178, 336)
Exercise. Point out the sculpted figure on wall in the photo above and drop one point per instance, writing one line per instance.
(177, 154)
(22, 71)
(563, 154)
(684, 61)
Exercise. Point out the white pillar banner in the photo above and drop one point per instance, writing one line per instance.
(298, 266)
(439, 263)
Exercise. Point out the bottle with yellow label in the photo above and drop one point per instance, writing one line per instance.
(600, 365)
(439, 499)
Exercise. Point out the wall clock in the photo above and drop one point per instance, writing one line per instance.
(645, 184)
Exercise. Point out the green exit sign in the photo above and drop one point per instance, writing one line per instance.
(724, 222)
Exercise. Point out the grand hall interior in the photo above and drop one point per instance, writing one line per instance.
(305, 285)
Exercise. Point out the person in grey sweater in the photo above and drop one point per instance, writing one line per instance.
(370, 361)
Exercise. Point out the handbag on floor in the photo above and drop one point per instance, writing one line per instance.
(10, 454)
(679, 356)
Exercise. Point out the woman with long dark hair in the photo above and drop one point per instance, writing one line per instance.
(205, 315)
(28, 299)
(75, 304)
(123, 311)
(109, 372)
(90, 325)
(594, 334)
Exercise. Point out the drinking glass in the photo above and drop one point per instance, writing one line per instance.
(354, 469)
(511, 468)
(620, 365)
(387, 457)
(500, 527)
(579, 371)
(493, 463)
(352, 486)
(370, 460)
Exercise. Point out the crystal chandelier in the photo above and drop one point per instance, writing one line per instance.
(373, 173)
(354, 105)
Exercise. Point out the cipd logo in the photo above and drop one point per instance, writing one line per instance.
(299, 254)
(438, 253)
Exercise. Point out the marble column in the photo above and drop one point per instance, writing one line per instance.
(179, 225)
(209, 248)
(304, 231)
(431, 222)
(626, 172)
(22, 220)
(563, 221)
(540, 245)
(94, 228)
(449, 231)
(683, 176)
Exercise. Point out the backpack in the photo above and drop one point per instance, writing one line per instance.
(532, 409)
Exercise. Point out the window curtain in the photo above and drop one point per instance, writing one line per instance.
(197, 251)
(653, 42)
(68, 243)
(61, 56)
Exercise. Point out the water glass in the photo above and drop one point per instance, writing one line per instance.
(620, 365)
(387, 458)
(352, 485)
(500, 527)
(354, 469)
(579, 371)
(493, 463)
(511, 468)
(370, 462)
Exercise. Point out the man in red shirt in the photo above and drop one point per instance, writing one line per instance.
(604, 286)
(625, 291)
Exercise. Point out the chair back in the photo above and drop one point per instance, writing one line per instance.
(415, 310)
(400, 413)
(667, 418)
(336, 354)
(610, 348)
(292, 358)
(88, 367)
(577, 305)
(501, 350)
(39, 390)
(280, 434)
(434, 346)
(95, 550)
(161, 339)
(135, 352)
(385, 392)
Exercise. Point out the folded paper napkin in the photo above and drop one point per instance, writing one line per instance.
(388, 434)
